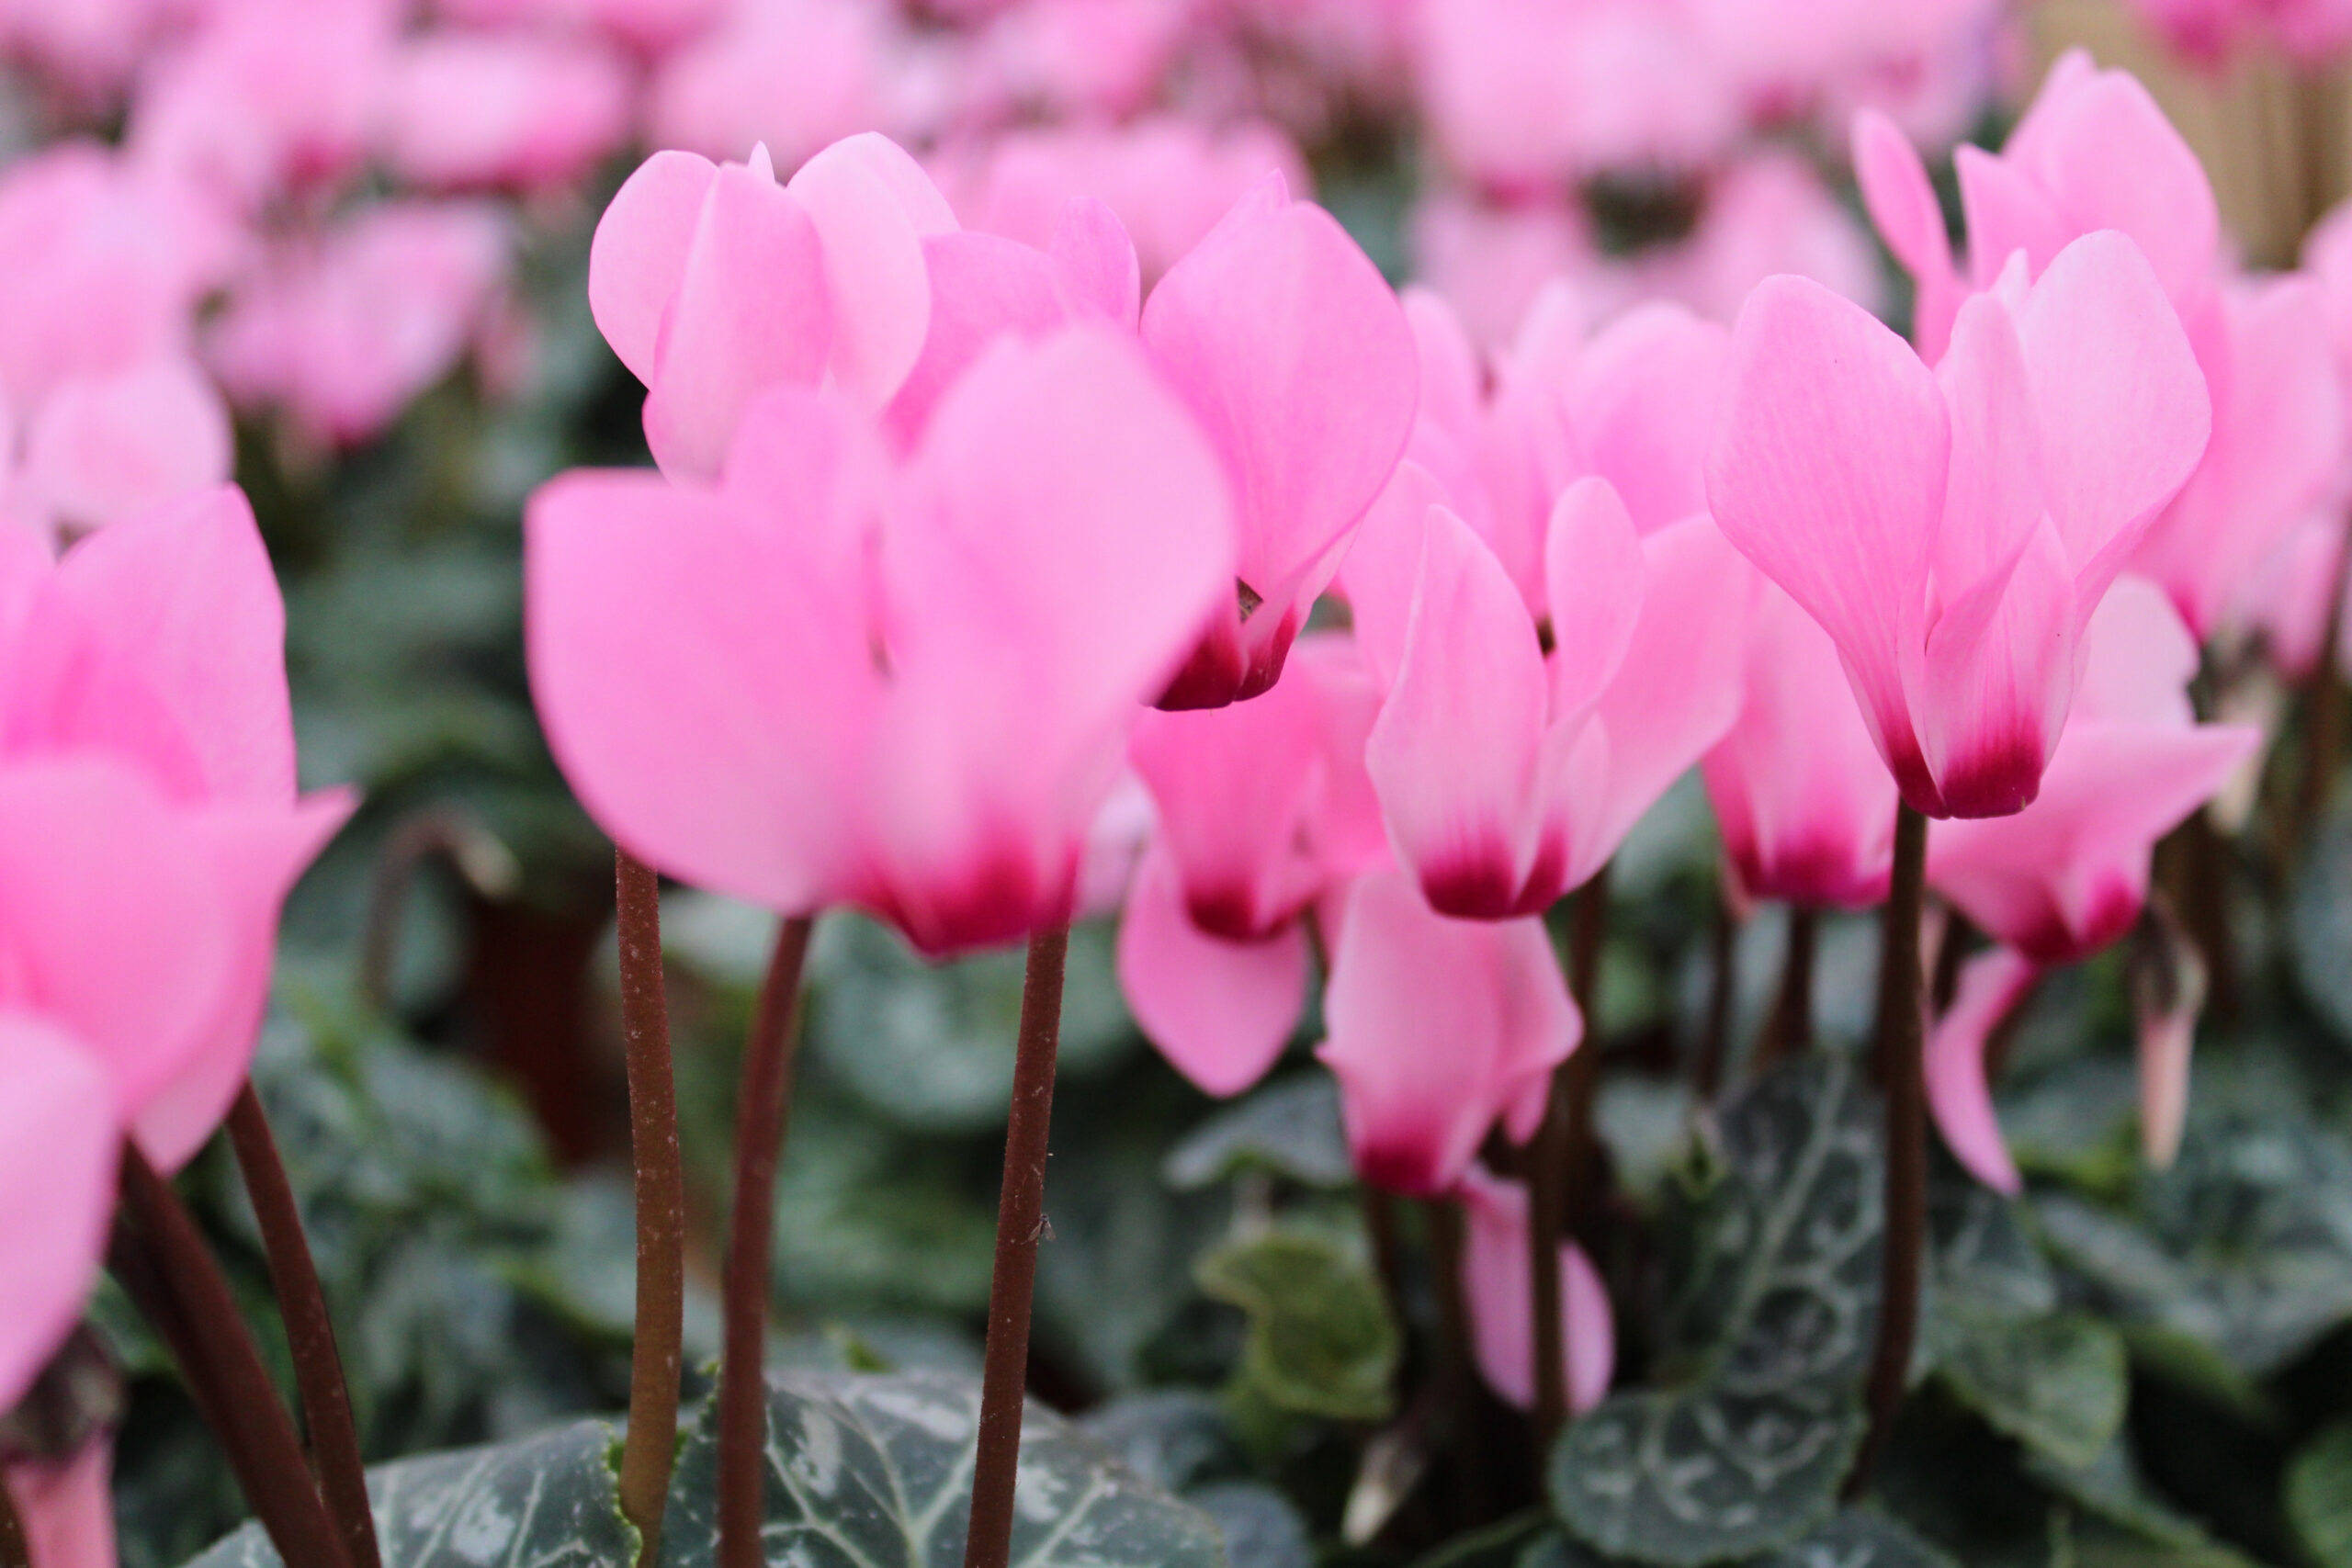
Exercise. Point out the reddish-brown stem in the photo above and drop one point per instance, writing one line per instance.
(1020, 1220)
(1789, 1031)
(1901, 1022)
(660, 1191)
(14, 1553)
(160, 1258)
(768, 1059)
(1457, 1363)
(1561, 1160)
(310, 1330)
(1722, 985)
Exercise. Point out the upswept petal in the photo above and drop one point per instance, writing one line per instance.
(705, 698)
(1383, 564)
(1828, 472)
(1998, 678)
(1293, 352)
(1454, 755)
(1495, 1262)
(1096, 270)
(1643, 403)
(1219, 1010)
(2008, 216)
(1805, 804)
(1680, 687)
(873, 206)
(1992, 985)
(1901, 201)
(258, 853)
(67, 1506)
(751, 312)
(2279, 422)
(982, 287)
(1596, 575)
(116, 927)
(185, 598)
(60, 1137)
(2124, 411)
(638, 255)
(1435, 1028)
(2138, 659)
(1993, 488)
(102, 448)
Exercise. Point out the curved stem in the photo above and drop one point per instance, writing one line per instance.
(160, 1258)
(310, 1330)
(1020, 1220)
(661, 1196)
(759, 1116)
(1560, 1163)
(1901, 1023)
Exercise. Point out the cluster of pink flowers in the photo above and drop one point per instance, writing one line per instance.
(2308, 32)
(959, 539)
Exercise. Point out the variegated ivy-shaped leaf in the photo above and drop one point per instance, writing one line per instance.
(869, 1472)
(1858, 1538)
(549, 1501)
(1743, 1452)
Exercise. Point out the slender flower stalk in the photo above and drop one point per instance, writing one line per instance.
(14, 1553)
(661, 1190)
(1789, 1029)
(310, 1330)
(1722, 987)
(769, 1058)
(1020, 1221)
(1901, 1023)
(1561, 1158)
(1456, 1361)
(161, 1261)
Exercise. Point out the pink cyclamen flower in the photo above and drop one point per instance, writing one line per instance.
(343, 330)
(1262, 807)
(1495, 1266)
(713, 283)
(1280, 337)
(1806, 808)
(842, 677)
(1403, 977)
(2096, 153)
(67, 1506)
(1509, 775)
(1953, 530)
(102, 448)
(158, 646)
(466, 111)
(2067, 876)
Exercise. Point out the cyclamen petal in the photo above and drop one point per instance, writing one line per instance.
(60, 1138)
(1403, 976)
(1220, 1011)
(66, 1508)
(638, 255)
(1495, 1281)
(1992, 986)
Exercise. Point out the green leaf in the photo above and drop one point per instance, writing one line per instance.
(2057, 1385)
(2110, 1489)
(1321, 1342)
(1259, 1526)
(1290, 1127)
(866, 1471)
(2319, 1496)
(1858, 1538)
(550, 1501)
(1498, 1545)
(929, 1046)
(1771, 1331)
(2319, 927)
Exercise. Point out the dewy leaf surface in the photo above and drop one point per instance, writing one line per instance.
(1772, 1332)
(550, 1501)
(868, 1471)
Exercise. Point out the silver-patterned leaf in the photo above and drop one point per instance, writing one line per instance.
(1858, 1538)
(1290, 1128)
(876, 1471)
(546, 1501)
(1772, 1332)
(2057, 1385)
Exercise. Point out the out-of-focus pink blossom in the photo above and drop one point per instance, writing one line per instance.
(1403, 977)
(824, 681)
(1953, 531)
(795, 75)
(1521, 94)
(89, 47)
(1084, 59)
(650, 26)
(1169, 179)
(344, 331)
(1263, 808)
(156, 647)
(102, 448)
(65, 1507)
(1767, 213)
(2067, 876)
(464, 110)
(2312, 32)
(59, 1133)
(714, 283)
(1805, 804)
(1495, 1266)
(267, 96)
